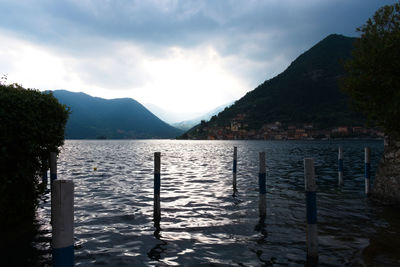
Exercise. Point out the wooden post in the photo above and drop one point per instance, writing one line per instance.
(53, 166)
(234, 169)
(262, 204)
(367, 170)
(53, 177)
(311, 203)
(157, 188)
(62, 217)
(340, 166)
(44, 177)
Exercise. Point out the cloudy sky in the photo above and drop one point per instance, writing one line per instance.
(186, 57)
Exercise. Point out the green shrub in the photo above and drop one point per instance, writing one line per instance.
(31, 126)
(373, 74)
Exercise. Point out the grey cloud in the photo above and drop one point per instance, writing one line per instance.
(182, 23)
(256, 30)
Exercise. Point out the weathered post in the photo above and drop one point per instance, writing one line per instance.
(340, 166)
(311, 210)
(367, 170)
(44, 177)
(234, 169)
(53, 166)
(157, 185)
(53, 177)
(62, 217)
(262, 205)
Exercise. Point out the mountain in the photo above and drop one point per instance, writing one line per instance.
(186, 125)
(123, 118)
(307, 92)
(171, 117)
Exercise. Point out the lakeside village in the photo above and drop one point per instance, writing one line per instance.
(239, 130)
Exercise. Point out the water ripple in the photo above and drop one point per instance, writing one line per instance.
(202, 224)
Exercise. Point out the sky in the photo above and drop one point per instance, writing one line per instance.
(184, 57)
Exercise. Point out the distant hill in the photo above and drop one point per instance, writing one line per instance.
(124, 118)
(186, 125)
(307, 92)
(171, 117)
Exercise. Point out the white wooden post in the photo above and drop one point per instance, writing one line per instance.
(234, 169)
(340, 166)
(311, 204)
(367, 170)
(62, 217)
(262, 187)
(157, 188)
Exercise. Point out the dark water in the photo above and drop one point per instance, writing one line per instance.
(202, 223)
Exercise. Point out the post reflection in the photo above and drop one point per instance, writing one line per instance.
(261, 227)
(156, 252)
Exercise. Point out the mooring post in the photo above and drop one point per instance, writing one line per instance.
(53, 166)
(62, 217)
(157, 185)
(44, 177)
(367, 170)
(53, 177)
(234, 169)
(340, 166)
(311, 208)
(262, 204)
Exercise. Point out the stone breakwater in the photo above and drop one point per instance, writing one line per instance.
(387, 183)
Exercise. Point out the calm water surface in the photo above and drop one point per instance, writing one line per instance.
(202, 223)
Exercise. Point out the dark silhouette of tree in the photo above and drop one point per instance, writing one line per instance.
(32, 126)
(373, 73)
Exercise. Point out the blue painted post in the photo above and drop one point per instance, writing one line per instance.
(157, 188)
(45, 177)
(53, 177)
(234, 169)
(262, 187)
(311, 208)
(62, 217)
(340, 166)
(53, 166)
(367, 170)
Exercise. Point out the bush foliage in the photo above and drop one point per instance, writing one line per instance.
(373, 79)
(31, 126)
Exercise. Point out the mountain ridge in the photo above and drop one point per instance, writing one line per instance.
(306, 92)
(120, 118)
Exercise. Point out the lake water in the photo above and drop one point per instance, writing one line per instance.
(202, 224)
